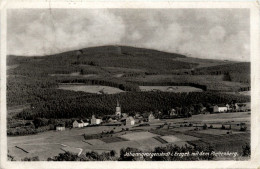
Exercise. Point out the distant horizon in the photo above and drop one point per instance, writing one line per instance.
(186, 55)
(221, 34)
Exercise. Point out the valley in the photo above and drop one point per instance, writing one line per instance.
(49, 93)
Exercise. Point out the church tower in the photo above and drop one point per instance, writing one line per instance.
(118, 109)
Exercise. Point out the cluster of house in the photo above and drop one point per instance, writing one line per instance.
(117, 119)
(231, 107)
(81, 123)
(86, 122)
(123, 118)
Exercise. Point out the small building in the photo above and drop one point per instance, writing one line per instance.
(151, 117)
(95, 121)
(138, 115)
(85, 122)
(124, 115)
(78, 124)
(138, 121)
(60, 127)
(219, 108)
(112, 120)
(228, 107)
(173, 112)
(243, 106)
(129, 121)
(203, 109)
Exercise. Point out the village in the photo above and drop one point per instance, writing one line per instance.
(120, 118)
(226, 127)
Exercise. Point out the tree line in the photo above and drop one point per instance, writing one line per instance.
(61, 105)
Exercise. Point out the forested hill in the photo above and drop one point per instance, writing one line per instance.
(122, 67)
(34, 84)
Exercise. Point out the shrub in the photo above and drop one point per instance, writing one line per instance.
(36, 158)
(246, 150)
(38, 122)
(243, 128)
(205, 127)
(223, 127)
(211, 126)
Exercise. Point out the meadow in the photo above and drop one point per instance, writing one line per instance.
(175, 89)
(91, 89)
(51, 143)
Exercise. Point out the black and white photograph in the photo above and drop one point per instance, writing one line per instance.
(128, 84)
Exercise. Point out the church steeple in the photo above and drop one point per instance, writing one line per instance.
(117, 103)
(118, 108)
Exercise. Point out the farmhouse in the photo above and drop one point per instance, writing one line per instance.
(111, 120)
(172, 112)
(151, 117)
(140, 120)
(243, 106)
(137, 116)
(85, 122)
(220, 108)
(124, 115)
(228, 107)
(95, 121)
(78, 124)
(129, 121)
(60, 127)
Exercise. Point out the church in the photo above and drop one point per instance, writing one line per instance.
(118, 109)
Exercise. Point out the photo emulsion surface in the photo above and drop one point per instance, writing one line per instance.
(128, 84)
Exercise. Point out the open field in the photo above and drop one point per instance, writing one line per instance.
(218, 132)
(91, 89)
(247, 93)
(212, 118)
(138, 135)
(113, 139)
(94, 142)
(170, 88)
(233, 142)
(12, 111)
(52, 143)
(12, 67)
(74, 74)
(203, 62)
(122, 69)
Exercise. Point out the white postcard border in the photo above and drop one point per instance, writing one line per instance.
(255, 83)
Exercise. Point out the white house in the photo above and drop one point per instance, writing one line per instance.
(151, 117)
(95, 121)
(60, 127)
(124, 115)
(129, 121)
(220, 108)
(173, 112)
(78, 124)
(85, 123)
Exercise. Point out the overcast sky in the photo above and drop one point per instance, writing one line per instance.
(203, 33)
